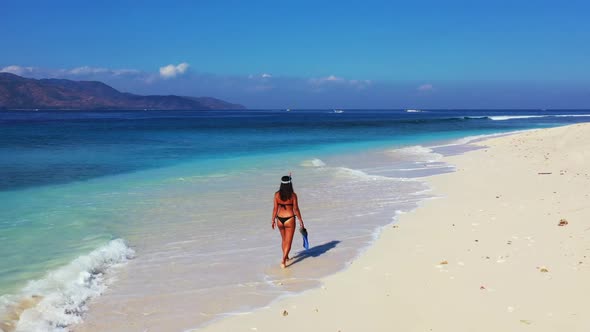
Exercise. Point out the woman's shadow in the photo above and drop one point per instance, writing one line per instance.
(314, 251)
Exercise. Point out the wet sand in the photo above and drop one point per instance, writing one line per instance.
(504, 247)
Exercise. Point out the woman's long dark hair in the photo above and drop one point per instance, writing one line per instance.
(286, 189)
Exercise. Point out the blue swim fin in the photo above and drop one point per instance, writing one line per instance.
(305, 241)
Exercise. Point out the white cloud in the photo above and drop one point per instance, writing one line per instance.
(85, 70)
(118, 72)
(327, 79)
(425, 87)
(72, 73)
(171, 71)
(17, 70)
(333, 78)
(322, 82)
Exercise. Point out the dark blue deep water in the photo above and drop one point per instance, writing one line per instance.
(55, 147)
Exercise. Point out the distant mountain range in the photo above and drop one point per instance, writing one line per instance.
(18, 92)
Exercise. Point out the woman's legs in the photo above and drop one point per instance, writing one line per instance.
(287, 231)
(282, 231)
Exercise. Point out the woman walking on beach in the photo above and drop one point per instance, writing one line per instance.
(286, 209)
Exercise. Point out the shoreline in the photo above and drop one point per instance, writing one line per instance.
(466, 144)
(164, 308)
(448, 282)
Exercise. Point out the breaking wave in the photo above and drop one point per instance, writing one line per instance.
(60, 299)
(313, 163)
(510, 117)
(417, 153)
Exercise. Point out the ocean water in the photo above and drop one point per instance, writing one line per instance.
(122, 220)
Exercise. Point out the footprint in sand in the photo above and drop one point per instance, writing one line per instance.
(501, 259)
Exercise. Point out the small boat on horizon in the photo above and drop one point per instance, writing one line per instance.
(413, 111)
(338, 111)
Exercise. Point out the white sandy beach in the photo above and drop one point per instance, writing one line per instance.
(487, 255)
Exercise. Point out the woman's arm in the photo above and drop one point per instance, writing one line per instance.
(296, 210)
(274, 212)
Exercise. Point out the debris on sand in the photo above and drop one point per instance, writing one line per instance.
(285, 313)
(562, 222)
(443, 263)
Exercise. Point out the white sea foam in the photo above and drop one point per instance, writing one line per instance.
(313, 163)
(471, 139)
(426, 167)
(571, 115)
(473, 117)
(355, 174)
(418, 153)
(509, 117)
(59, 299)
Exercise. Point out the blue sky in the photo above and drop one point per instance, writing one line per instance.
(307, 54)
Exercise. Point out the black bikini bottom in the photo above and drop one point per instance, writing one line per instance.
(283, 220)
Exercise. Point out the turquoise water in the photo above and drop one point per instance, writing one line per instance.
(73, 181)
